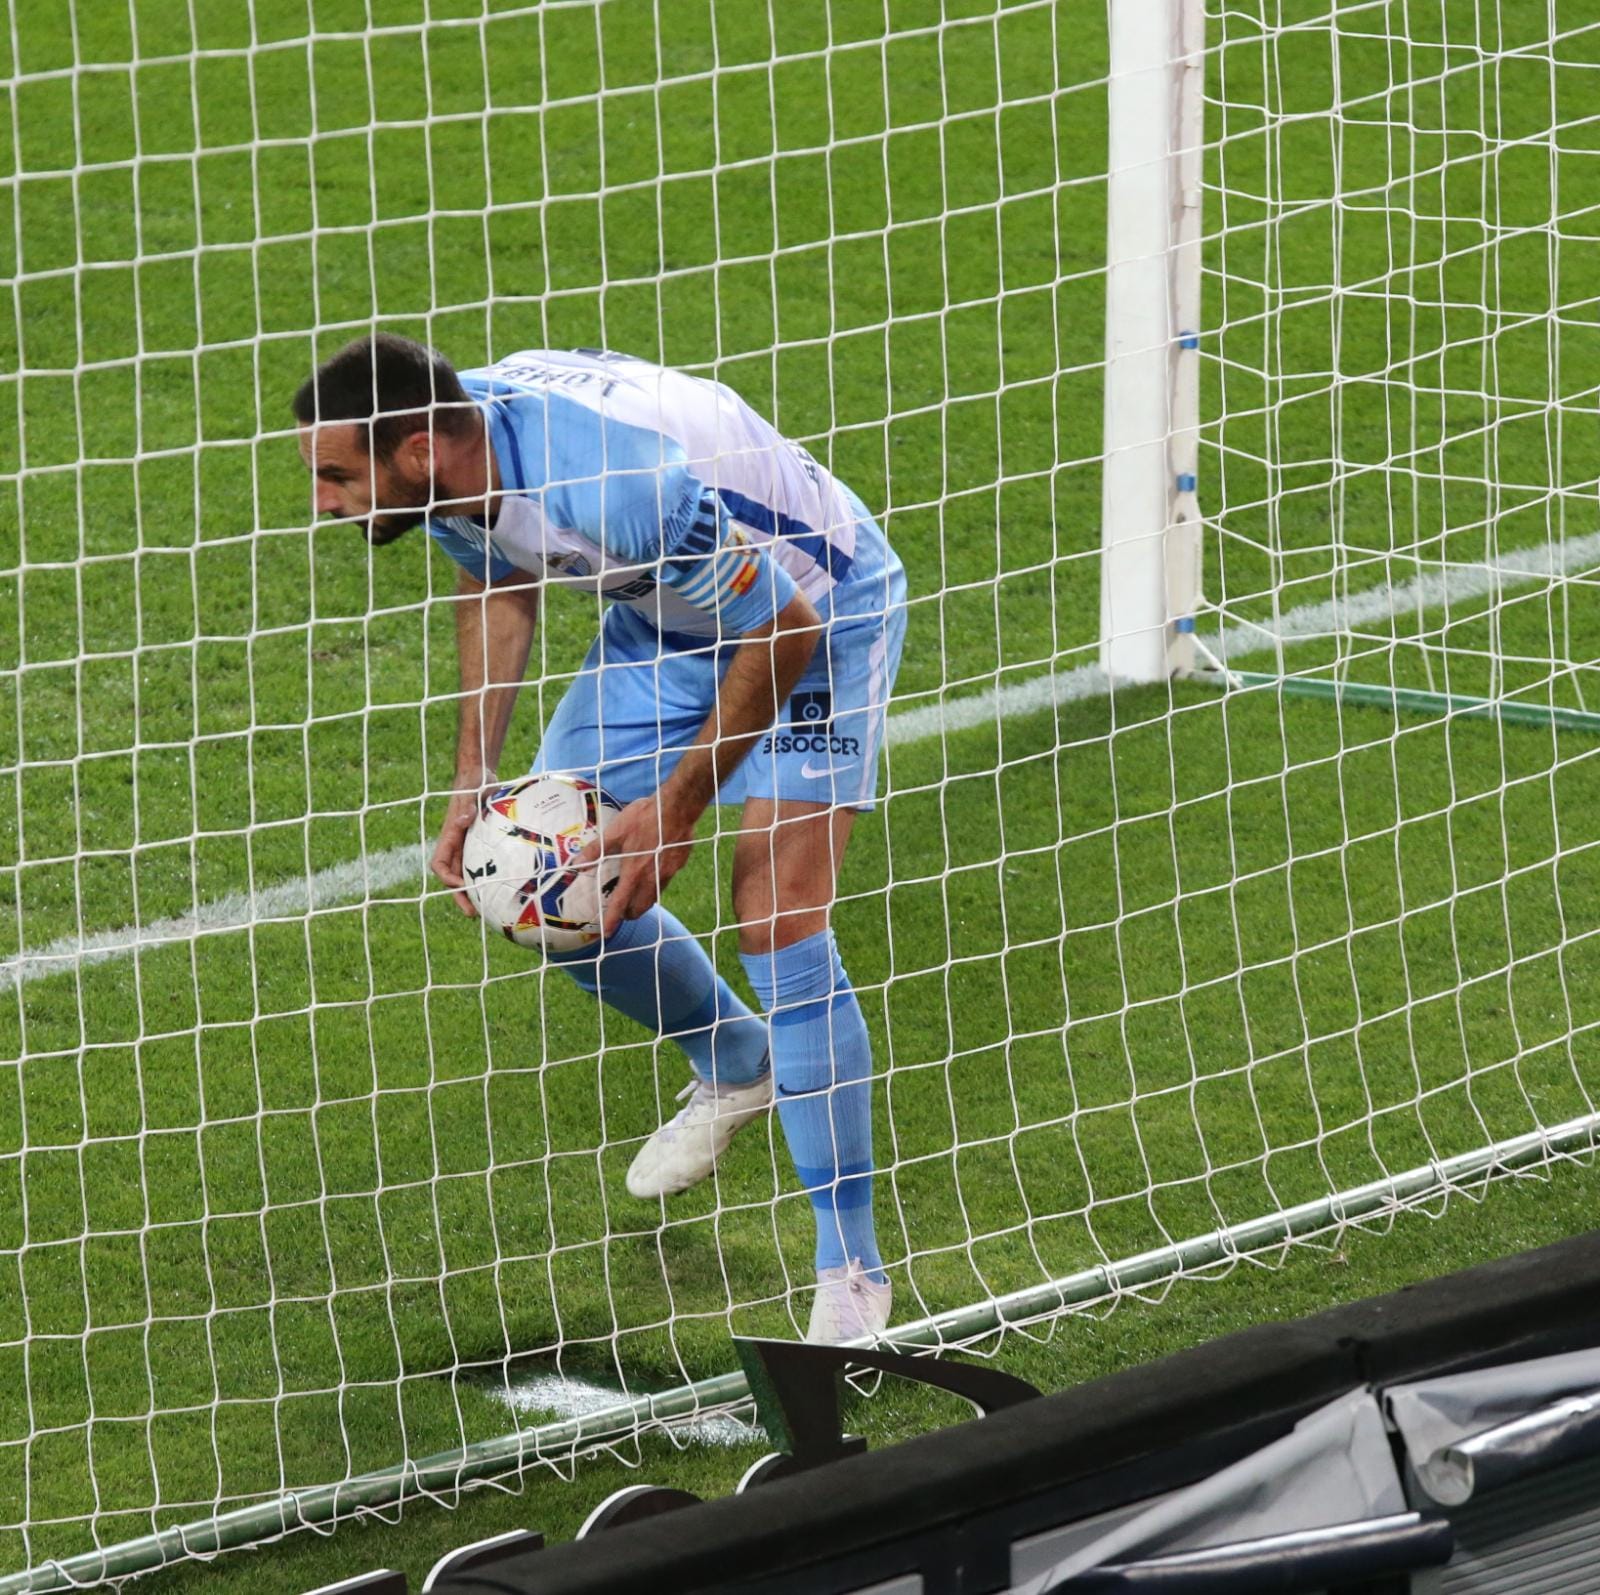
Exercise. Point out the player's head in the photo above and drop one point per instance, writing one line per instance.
(370, 417)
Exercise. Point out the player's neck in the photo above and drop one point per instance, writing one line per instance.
(467, 479)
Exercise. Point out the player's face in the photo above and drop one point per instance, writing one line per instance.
(383, 499)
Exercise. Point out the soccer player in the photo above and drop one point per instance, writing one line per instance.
(752, 630)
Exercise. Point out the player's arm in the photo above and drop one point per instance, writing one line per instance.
(654, 833)
(709, 564)
(771, 658)
(495, 622)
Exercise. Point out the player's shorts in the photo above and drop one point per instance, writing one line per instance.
(642, 697)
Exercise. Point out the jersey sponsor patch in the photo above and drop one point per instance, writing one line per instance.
(809, 729)
(814, 708)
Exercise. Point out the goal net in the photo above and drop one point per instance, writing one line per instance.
(303, 1176)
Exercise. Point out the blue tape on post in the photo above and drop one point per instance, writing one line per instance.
(1187, 482)
(1183, 623)
(1189, 340)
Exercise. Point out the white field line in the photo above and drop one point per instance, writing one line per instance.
(554, 1397)
(1436, 589)
(357, 881)
(378, 873)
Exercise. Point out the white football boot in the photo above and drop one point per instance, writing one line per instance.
(848, 1306)
(684, 1150)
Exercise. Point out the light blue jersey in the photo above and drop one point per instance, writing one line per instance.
(659, 491)
(696, 522)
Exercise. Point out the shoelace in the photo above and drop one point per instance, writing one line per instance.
(710, 1091)
(683, 1096)
(690, 1096)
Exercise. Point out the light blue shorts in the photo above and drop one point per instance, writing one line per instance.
(642, 697)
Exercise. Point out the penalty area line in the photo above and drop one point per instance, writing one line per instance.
(342, 884)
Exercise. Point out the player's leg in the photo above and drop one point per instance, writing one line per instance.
(805, 784)
(785, 871)
(654, 971)
(658, 974)
(629, 709)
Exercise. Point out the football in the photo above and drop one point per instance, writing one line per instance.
(518, 860)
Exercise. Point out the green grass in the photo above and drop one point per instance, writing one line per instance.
(1136, 1330)
(1134, 967)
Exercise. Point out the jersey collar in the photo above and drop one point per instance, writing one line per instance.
(504, 443)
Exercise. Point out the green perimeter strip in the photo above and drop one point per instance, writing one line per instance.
(1407, 700)
(515, 1452)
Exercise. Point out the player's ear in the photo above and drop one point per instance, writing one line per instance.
(415, 455)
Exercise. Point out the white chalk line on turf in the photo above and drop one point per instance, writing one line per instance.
(554, 1397)
(327, 888)
(377, 873)
(1433, 590)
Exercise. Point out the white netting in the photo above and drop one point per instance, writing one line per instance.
(293, 1159)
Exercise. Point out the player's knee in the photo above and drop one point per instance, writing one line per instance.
(767, 931)
(779, 908)
(752, 905)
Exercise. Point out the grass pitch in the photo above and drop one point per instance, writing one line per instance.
(1134, 967)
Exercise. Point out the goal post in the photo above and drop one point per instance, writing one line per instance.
(1349, 304)
(1150, 559)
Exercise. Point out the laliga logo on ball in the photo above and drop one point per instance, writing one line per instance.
(519, 861)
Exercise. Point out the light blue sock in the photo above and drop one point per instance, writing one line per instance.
(822, 1065)
(654, 971)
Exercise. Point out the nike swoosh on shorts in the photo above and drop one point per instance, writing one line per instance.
(816, 775)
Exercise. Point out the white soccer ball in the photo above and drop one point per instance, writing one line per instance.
(518, 861)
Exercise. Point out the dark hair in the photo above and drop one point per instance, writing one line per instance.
(395, 384)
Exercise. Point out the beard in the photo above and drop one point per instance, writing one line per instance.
(381, 529)
(406, 506)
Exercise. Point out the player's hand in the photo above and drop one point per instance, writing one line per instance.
(452, 837)
(652, 837)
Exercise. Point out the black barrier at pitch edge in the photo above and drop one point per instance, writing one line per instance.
(1103, 1444)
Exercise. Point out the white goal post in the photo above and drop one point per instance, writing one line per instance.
(1150, 562)
(1480, 116)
